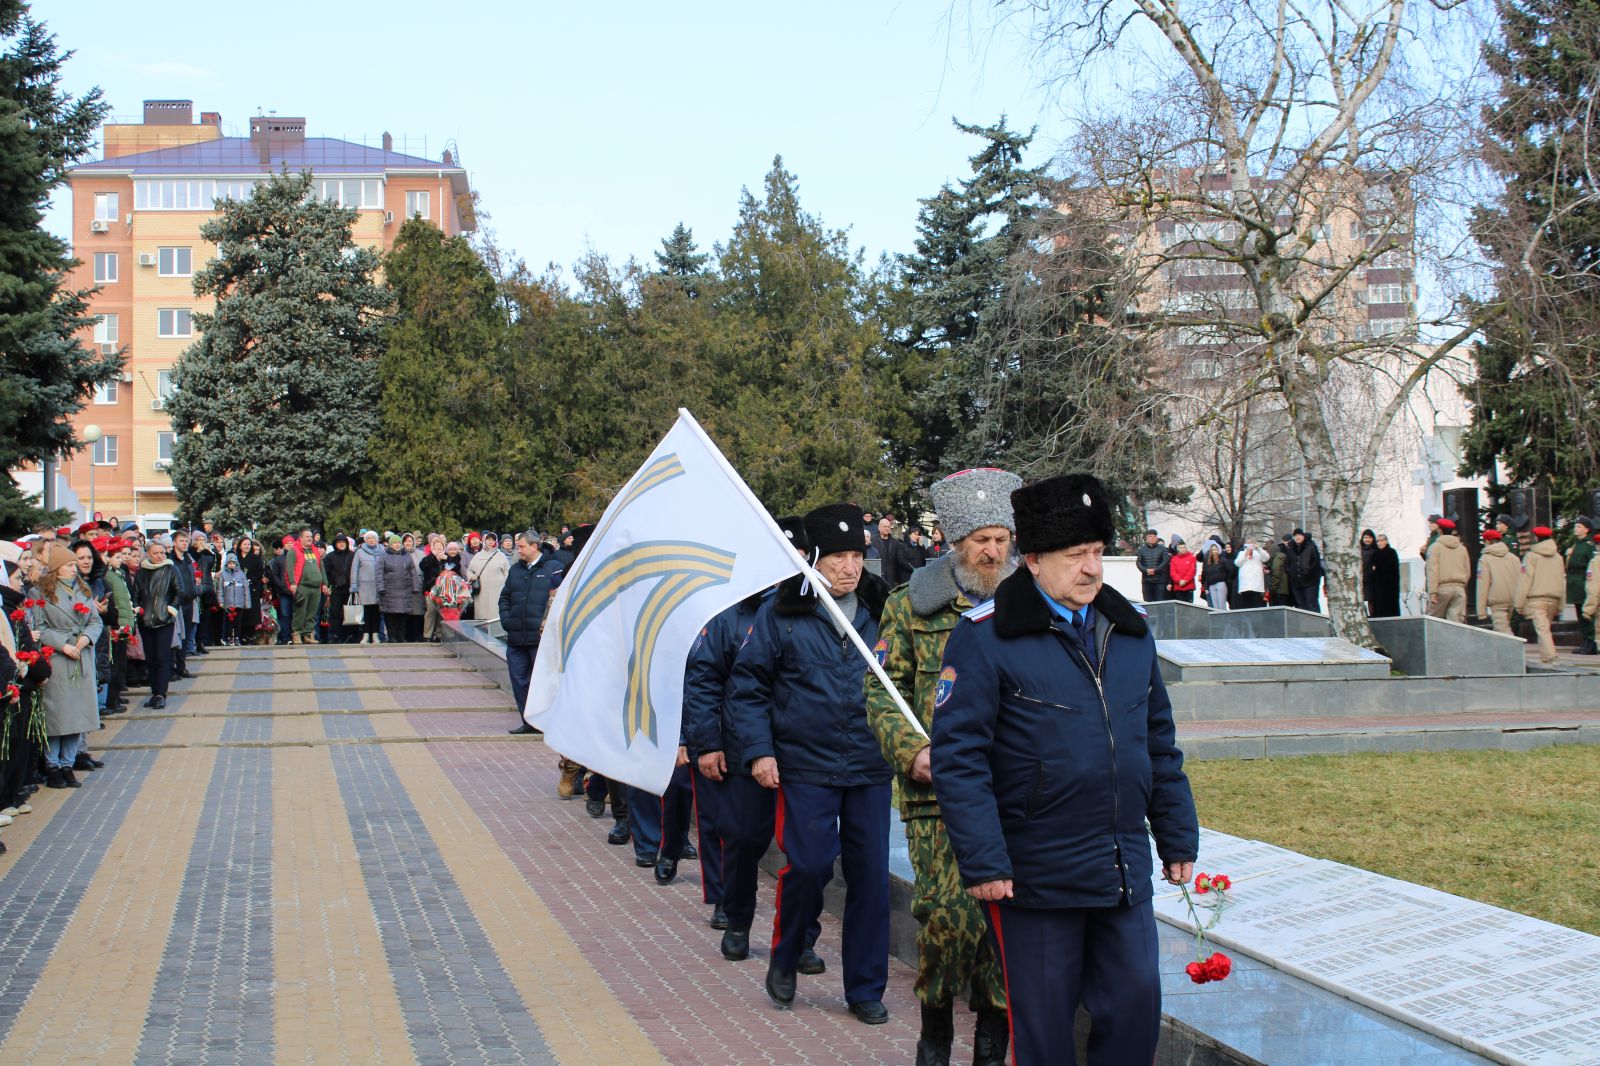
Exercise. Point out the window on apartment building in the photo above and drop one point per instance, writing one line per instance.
(352, 192)
(107, 206)
(1393, 259)
(106, 392)
(105, 268)
(1356, 231)
(1321, 232)
(174, 262)
(1388, 327)
(164, 445)
(173, 322)
(1392, 293)
(164, 387)
(188, 195)
(105, 329)
(417, 204)
(105, 451)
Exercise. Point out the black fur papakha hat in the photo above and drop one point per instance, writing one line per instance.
(794, 527)
(834, 528)
(1062, 512)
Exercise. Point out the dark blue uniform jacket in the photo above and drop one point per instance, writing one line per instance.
(525, 598)
(707, 677)
(798, 691)
(1048, 760)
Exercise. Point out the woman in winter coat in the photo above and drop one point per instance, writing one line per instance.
(16, 645)
(418, 551)
(339, 567)
(69, 623)
(1251, 567)
(1369, 551)
(1219, 577)
(487, 575)
(1183, 573)
(157, 584)
(1383, 583)
(92, 573)
(399, 588)
(1305, 571)
(253, 564)
(364, 583)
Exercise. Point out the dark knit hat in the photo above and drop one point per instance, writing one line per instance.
(1585, 521)
(1503, 520)
(834, 528)
(580, 536)
(1062, 512)
(794, 527)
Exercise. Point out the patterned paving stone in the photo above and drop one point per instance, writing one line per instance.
(254, 730)
(459, 1005)
(347, 726)
(213, 994)
(340, 701)
(146, 731)
(41, 888)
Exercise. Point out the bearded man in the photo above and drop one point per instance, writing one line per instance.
(953, 952)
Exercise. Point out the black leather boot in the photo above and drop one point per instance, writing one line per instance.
(938, 1033)
(992, 1038)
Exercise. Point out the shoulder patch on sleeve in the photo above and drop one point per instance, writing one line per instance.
(981, 613)
(881, 650)
(946, 685)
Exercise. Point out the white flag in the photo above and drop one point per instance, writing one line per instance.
(683, 540)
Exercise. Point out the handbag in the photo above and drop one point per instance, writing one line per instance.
(136, 645)
(354, 613)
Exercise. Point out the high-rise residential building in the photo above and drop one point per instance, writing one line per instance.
(136, 218)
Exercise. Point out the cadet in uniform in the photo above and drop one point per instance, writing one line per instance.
(953, 952)
(798, 706)
(1053, 743)
(1499, 573)
(1448, 570)
(1540, 593)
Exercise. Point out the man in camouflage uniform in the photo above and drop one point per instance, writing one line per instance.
(953, 950)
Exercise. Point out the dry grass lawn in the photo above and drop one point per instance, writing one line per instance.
(1520, 830)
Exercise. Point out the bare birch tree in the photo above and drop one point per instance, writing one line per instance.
(1280, 170)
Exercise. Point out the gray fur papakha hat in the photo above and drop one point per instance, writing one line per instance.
(973, 499)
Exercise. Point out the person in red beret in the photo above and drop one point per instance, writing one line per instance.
(1542, 591)
(1448, 570)
(1499, 571)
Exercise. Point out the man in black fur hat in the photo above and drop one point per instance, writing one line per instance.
(798, 708)
(1053, 742)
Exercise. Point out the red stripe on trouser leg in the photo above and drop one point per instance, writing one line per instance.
(694, 816)
(777, 893)
(1005, 977)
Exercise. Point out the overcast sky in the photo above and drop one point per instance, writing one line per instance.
(596, 125)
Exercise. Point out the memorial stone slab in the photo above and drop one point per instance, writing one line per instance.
(1434, 647)
(1267, 659)
(1269, 622)
(1512, 988)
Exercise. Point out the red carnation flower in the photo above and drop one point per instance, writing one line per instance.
(18, 615)
(47, 651)
(1218, 966)
(1196, 972)
(13, 692)
(81, 608)
(1220, 882)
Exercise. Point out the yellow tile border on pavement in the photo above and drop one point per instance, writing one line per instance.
(91, 1000)
(335, 999)
(582, 1021)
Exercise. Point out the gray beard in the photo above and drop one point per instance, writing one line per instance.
(977, 582)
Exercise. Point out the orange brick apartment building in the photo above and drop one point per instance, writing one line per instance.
(136, 218)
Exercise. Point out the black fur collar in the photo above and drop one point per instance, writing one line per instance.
(871, 592)
(1019, 609)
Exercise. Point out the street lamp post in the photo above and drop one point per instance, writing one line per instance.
(91, 437)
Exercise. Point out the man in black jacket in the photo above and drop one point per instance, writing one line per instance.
(523, 602)
(1053, 744)
(1154, 562)
(207, 563)
(188, 593)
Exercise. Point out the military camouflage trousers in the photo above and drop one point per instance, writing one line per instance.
(953, 949)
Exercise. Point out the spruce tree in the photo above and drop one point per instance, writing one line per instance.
(46, 375)
(1536, 401)
(439, 454)
(277, 402)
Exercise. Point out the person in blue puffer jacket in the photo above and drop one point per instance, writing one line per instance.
(1053, 744)
(797, 703)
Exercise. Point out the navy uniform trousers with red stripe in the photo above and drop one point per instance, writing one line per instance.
(817, 824)
(1104, 957)
(746, 818)
(660, 824)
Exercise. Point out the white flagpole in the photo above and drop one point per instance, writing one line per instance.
(817, 580)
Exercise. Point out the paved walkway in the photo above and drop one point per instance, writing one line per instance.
(338, 855)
